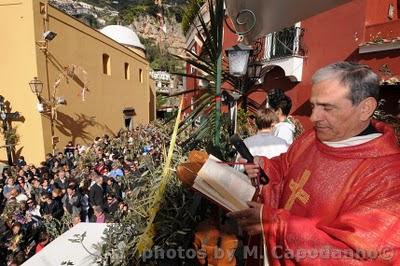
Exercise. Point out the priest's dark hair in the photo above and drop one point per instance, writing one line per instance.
(360, 79)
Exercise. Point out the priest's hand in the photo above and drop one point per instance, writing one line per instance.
(249, 219)
(252, 170)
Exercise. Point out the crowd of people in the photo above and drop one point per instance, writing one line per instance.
(80, 184)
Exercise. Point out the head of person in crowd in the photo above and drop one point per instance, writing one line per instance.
(266, 118)
(110, 181)
(23, 206)
(49, 157)
(61, 174)
(99, 180)
(60, 156)
(66, 168)
(33, 169)
(76, 218)
(16, 228)
(21, 173)
(43, 240)
(344, 97)
(10, 181)
(46, 197)
(35, 183)
(21, 180)
(280, 103)
(99, 213)
(31, 202)
(14, 193)
(71, 190)
(111, 198)
(93, 176)
(56, 193)
(6, 173)
(45, 183)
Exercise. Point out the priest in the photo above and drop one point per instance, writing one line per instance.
(334, 197)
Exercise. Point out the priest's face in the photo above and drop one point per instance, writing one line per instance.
(334, 116)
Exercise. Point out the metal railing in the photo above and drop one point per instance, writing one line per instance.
(284, 43)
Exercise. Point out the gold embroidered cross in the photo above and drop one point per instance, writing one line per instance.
(297, 191)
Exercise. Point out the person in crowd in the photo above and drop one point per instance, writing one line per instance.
(264, 143)
(101, 168)
(60, 181)
(111, 205)
(113, 187)
(10, 184)
(96, 192)
(33, 207)
(116, 171)
(21, 161)
(99, 214)
(43, 240)
(69, 151)
(62, 159)
(23, 187)
(46, 187)
(49, 161)
(36, 190)
(336, 189)
(72, 200)
(76, 219)
(282, 104)
(51, 208)
(19, 196)
(85, 206)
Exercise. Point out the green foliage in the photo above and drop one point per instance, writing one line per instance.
(132, 12)
(205, 62)
(244, 127)
(57, 227)
(190, 13)
(176, 219)
(89, 20)
(159, 58)
(10, 136)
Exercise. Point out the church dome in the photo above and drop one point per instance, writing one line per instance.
(123, 35)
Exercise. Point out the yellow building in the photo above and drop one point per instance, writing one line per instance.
(104, 83)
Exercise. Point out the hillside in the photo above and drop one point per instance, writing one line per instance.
(158, 27)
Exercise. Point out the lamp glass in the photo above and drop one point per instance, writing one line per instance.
(254, 71)
(238, 62)
(36, 86)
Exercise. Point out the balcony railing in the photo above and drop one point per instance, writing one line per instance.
(284, 43)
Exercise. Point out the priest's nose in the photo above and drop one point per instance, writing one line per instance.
(316, 114)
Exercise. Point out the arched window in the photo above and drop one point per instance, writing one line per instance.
(140, 75)
(127, 71)
(106, 64)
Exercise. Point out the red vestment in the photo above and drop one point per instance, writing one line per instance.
(334, 206)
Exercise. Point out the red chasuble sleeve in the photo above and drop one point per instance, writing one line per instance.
(344, 212)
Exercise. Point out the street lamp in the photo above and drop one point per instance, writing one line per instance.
(238, 56)
(254, 71)
(36, 86)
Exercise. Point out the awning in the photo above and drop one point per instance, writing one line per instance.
(273, 15)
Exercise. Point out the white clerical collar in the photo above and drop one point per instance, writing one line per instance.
(357, 140)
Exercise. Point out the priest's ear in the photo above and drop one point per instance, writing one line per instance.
(368, 107)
